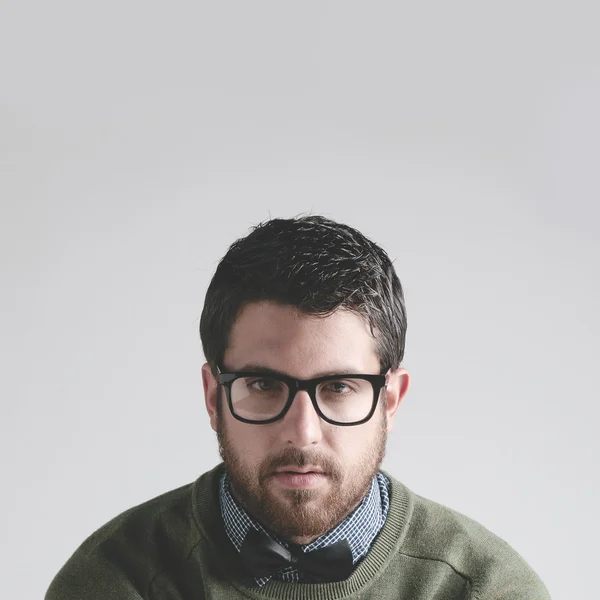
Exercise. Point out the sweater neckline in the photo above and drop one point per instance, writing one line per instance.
(208, 519)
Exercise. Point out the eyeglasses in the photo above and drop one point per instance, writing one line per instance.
(261, 398)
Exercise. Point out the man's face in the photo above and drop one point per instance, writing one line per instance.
(281, 339)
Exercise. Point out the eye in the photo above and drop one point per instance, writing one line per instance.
(338, 387)
(265, 384)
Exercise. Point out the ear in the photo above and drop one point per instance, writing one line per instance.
(398, 382)
(209, 383)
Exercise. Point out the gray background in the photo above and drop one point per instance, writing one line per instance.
(139, 139)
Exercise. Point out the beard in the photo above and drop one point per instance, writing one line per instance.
(300, 515)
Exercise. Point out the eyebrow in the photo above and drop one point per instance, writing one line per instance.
(257, 368)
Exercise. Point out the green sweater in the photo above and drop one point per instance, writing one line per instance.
(174, 547)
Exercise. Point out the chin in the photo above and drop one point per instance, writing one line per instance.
(303, 497)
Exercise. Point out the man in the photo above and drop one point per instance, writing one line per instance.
(303, 330)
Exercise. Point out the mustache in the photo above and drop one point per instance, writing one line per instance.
(294, 457)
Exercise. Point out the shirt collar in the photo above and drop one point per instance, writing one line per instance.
(359, 528)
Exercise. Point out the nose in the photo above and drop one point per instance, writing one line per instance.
(302, 424)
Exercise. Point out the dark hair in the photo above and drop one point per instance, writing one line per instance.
(314, 264)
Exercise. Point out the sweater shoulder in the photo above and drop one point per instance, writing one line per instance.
(493, 568)
(122, 558)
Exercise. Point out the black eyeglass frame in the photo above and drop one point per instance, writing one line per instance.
(226, 379)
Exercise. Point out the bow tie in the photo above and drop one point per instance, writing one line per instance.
(262, 556)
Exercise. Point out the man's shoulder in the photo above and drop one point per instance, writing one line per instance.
(438, 533)
(140, 527)
(124, 556)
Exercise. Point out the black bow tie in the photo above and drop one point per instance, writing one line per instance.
(262, 556)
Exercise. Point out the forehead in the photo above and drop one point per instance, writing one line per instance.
(282, 338)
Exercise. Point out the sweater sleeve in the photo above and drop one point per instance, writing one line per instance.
(86, 577)
(512, 580)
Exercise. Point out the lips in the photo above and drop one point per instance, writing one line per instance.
(294, 478)
(299, 470)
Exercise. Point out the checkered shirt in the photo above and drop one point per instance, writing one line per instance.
(360, 527)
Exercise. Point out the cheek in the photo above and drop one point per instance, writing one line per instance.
(345, 444)
(250, 443)
(352, 444)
